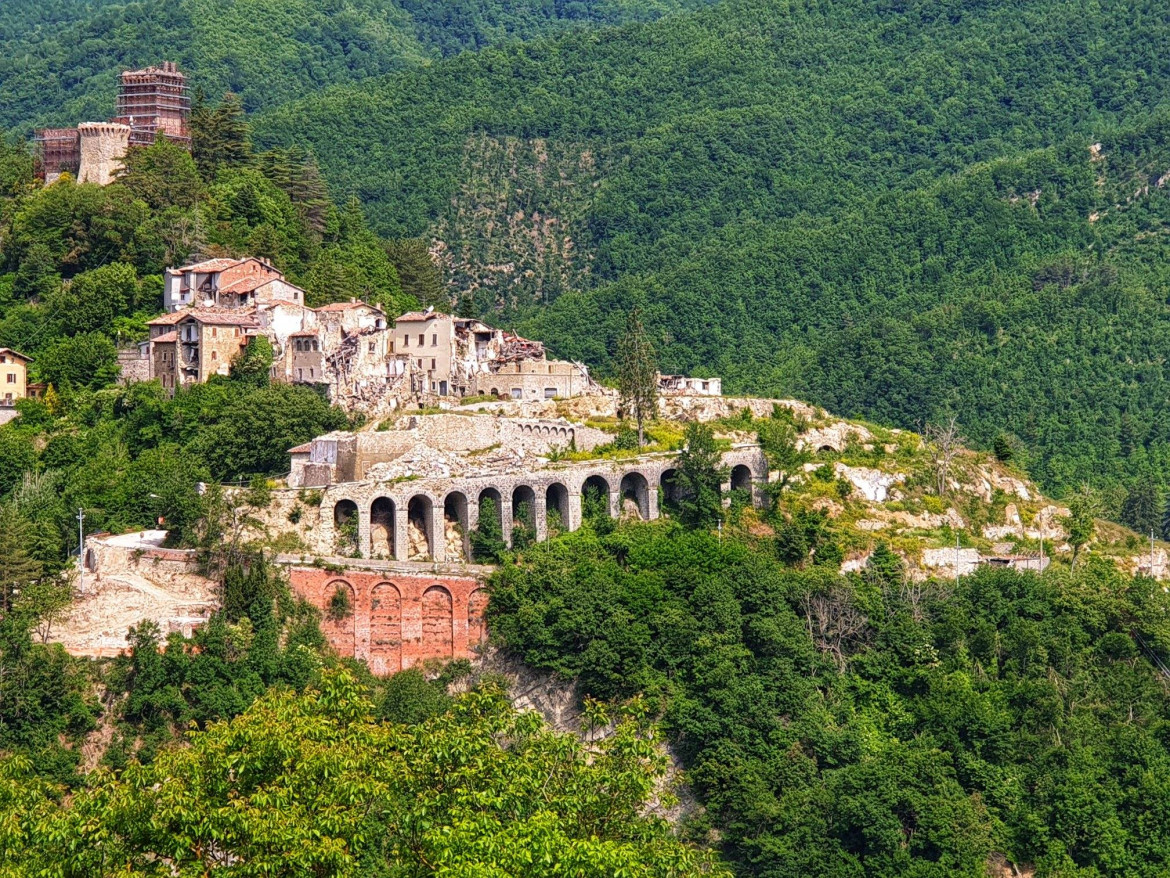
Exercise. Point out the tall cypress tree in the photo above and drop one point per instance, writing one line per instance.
(637, 373)
(700, 475)
(1166, 519)
(1141, 507)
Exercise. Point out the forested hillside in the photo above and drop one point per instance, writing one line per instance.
(61, 57)
(890, 209)
(871, 726)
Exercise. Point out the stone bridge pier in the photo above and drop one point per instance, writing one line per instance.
(432, 519)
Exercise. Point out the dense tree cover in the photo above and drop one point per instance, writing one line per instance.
(315, 785)
(48, 701)
(130, 456)
(770, 182)
(871, 725)
(62, 57)
(748, 109)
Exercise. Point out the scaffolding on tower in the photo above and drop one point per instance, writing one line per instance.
(58, 151)
(155, 101)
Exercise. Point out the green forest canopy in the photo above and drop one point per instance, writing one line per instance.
(61, 58)
(837, 727)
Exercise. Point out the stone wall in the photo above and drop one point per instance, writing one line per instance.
(133, 366)
(533, 380)
(395, 619)
(340, 457)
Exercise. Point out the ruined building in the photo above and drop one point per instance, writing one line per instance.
(458, 357)
(227, 283)
(152, 103)
(215, 308)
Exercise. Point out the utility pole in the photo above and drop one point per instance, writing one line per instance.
(80, 550)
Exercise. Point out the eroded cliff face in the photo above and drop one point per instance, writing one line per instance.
(559, 701)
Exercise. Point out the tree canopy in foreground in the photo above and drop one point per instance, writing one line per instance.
(312, 784)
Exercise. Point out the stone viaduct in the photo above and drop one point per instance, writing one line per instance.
(378, 517)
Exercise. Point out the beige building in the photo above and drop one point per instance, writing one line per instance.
(426, 340)
(13, 376)
(458, 356)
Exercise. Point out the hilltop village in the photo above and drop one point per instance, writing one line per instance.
(465, 422)
(360, 359)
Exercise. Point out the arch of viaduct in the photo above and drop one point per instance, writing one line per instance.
(384, 511)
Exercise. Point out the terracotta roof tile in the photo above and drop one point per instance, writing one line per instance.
(343, 306)
(221, 317)
(245, 285)
(24, 357)
(211, 265)
(173, 335)
(302, 449)
(167, 319)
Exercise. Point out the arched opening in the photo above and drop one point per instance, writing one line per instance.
(345, 527)
(741, 478)
(635, 497)
(338, 622)
(419, 513)
(523, 517)
(673, 491)
(556, 505)
(455, 524)
(385, 629)
(826, 449)
(382, 528)
(437, 624)
(595, 501)
(476, 626)
(487, 540)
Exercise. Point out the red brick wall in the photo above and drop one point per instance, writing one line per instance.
(398, 620)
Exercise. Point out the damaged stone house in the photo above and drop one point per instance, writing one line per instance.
(227, 283)
(459, 356)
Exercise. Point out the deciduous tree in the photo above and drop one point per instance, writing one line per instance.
(700, 476)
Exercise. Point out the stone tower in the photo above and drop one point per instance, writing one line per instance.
(103, 146)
